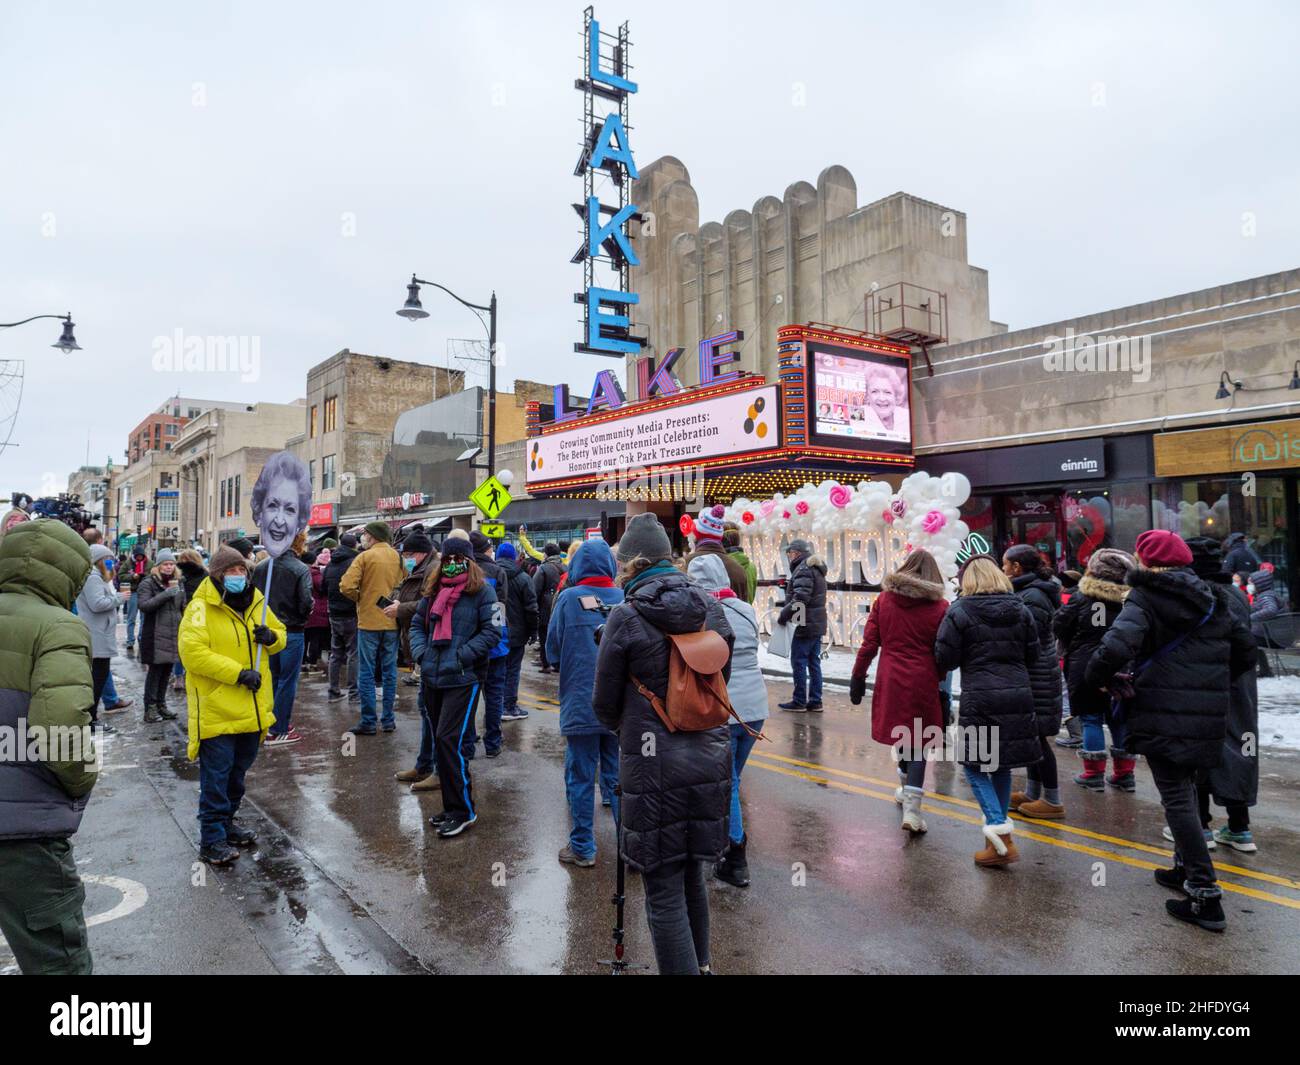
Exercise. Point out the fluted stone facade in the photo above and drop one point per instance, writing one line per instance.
(811, 255)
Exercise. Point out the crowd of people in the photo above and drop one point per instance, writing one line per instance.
(1155, 648)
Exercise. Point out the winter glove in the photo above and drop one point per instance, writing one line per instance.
(250, 679)
(784, 617)
(857, 689)
(263, 635)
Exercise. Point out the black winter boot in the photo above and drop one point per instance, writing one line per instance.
(166, 713)
(151, 714)
(1174, 878)
(1207, 913)
(734, 869)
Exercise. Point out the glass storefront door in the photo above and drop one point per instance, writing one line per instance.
(1035, 519)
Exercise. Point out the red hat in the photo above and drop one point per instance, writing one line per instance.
(1159, 547)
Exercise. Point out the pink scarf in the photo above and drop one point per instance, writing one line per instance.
(449, 591)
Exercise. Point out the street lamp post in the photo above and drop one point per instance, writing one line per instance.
(66, 342)
(413, 311)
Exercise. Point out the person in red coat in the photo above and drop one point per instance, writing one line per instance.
(905, 709)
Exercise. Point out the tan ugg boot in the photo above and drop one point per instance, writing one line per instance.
(1000, 848)
(1041, 809)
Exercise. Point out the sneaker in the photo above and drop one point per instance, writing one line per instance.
(334, 695)
(517, 714)
(1238, 841)
(454, 826)
(429, 783)
(815, 708)
(606, 803)
(240, 836)
(218, 854)
(1207, 913)
(284, 739)
(119, 707)
(493, 754)
(1069, 743)
(166, 713)
(439, 819)
(411, 681)
(793, 707)
(363, 730)
(569, 858)
(1209, 837)
(390, 727)
(105, 729)
(409, 776)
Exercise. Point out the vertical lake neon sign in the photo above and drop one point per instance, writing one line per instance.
(606, 152)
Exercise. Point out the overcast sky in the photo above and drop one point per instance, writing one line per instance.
(277, 170)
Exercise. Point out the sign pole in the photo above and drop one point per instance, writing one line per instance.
(266, 599)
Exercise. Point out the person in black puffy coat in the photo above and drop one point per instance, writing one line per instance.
(1078, 628)
(1038, 589)
(675, 787)
(989, 634)
(1188, 645)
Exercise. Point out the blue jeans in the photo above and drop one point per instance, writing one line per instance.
(223, 761)
(285, 669)
(377, 646)
(1094, 739)
(494, 695)
(585, 757)
(806, 658)
(178, 670)
(110, 695)
(132, 612)
(741, 744)
(514, 663)
(992, 792)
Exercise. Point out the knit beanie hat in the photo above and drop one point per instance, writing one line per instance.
(482, 545)
(457, 547)
(348, 540)
(329, 543)
(323, 557)
(708, 526)
(380, 531)
(506, 552)
(227, 557)
(1110, 564)
(1159, 547)
(417, 543)
(1207, 558)
(165, 554)
(243, 545)
(645, 537)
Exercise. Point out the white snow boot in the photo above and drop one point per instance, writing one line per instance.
(912, 820)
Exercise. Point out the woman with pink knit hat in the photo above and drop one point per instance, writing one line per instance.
(1176, 646)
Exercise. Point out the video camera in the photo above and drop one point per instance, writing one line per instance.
(65, 508)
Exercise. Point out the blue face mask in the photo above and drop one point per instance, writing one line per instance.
(235, 585)
(409, 563)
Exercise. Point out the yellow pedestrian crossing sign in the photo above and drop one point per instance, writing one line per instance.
(493, 530)
(490, 497)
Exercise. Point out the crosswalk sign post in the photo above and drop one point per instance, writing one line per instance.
(491, 497)
(493, 530)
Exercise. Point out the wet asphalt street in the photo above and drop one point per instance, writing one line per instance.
(349, 877)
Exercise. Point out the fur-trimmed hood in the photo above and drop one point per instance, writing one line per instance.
(1181, 590)
(1096, 588)
(912, 586)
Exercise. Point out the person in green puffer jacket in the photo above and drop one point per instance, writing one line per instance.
(45, 683)
(731, 544)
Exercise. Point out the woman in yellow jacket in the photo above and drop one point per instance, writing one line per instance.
(229, 694)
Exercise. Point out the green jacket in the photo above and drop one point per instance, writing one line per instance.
(44, 677)
(751, 572)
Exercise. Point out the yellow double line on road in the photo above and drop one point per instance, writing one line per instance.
(777, 763)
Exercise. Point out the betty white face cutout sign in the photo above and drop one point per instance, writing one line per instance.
(281, 502)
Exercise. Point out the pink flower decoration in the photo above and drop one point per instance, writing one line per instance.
(801, 507)
(907, 548)
(840, 496)
(899, 507)
(785, 513)
(747, 517)
(888, 515)
(766, 507)
(933, 522)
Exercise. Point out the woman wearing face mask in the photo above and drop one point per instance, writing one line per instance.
(162, 602)
(231, 702)
(97, 607)
(1263, 608)
(455, 627)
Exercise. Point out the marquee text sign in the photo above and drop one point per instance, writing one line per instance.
(735, 423)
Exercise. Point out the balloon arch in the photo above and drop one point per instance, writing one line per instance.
(862, 532)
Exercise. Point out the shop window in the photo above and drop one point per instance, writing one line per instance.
(1254, 506)
(980, 515)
